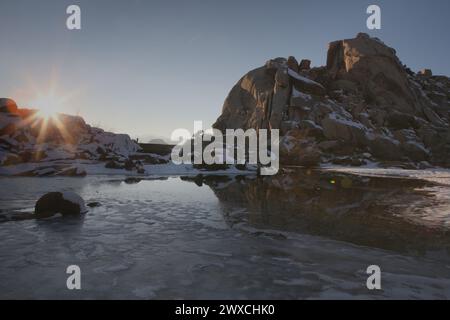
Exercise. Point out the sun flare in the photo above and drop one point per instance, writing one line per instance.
(48, 105)
(47, 118)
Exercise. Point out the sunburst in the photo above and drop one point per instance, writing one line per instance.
(48, 120)
(48, 103)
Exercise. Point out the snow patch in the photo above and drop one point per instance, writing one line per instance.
(74, 198)
(297, 76)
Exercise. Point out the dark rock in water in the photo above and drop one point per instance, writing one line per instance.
(94, 204)
(132, 180)
(16, 216)
(129, 165)
(65, 203)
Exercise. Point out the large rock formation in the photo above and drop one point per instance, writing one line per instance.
(364, 105)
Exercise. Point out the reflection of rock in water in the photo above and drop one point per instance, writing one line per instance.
(361, 210)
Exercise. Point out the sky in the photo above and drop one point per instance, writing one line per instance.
(147, 67)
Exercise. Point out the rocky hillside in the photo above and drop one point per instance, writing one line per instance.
(59, 145)
(364, 106)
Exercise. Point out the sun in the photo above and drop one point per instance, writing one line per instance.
(48, 105)
(47, 119)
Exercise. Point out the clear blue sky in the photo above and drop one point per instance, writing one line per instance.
(148, 67)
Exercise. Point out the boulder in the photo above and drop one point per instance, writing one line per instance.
(415, 151)
(399, 120)
(292, 63)
(262, 96)
(429, 136)
(310, 128)
(305, 64)
(8, 129)
(376, 68)
(8, 105)
(248, 103)
(297, 150)
(336, 127)
(426, 72)
(384, 147)
(329, 146)
(433, 117)
(129, 165)
(65, 203)
(344, 85)
(288, 125)
(411, 145)
(132, 180)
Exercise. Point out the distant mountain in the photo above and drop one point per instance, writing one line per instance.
(364, 106)
(157, 141)
(150, 138)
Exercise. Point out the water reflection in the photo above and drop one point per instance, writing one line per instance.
(381, 212)
(170, 239)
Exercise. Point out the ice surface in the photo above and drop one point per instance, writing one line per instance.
(170, 239)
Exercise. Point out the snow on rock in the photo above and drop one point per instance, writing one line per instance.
(305, 84)
(54, 147)
(298, 94)
(299, 77)
(75, 199)
(118, 143)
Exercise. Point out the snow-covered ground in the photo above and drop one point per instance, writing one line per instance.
(165, 238)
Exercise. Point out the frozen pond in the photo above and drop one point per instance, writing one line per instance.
(295, 236)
